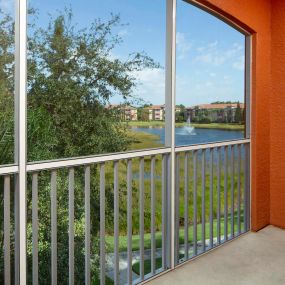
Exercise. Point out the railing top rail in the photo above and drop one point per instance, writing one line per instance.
(211, 145)
(56, 164)
(8, 169)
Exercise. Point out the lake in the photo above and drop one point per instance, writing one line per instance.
(185, 136)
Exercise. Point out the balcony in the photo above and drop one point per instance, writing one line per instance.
(204, 213)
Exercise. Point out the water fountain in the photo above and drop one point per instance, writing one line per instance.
(188, 129)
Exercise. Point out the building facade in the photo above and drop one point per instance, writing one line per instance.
(127, 112)
(156, 112)
(216, 113)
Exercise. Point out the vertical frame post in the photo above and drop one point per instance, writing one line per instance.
(248, 80)
(170, 113)
(21, 137)
(247, 86)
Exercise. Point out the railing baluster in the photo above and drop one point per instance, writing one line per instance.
(226, 194)
(35, 228)
(203, 199)
(87, 224)
(164, 212)
(152, 186)
(7, 265)
(102, 224)
(168, 213)
(211, 196)
(17, 232)
(116, 222)
(246, 188)
(238, 186)
(129, 219)
(186, 205)
(53, 228)
(71, 224)
(232, 192)
(218, 196)
(177, 192)
(142, 218)
(195, 203)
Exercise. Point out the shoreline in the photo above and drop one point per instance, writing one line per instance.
(218, 126)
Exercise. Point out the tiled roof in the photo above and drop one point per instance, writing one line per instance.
(216, 106)
(122, 107)
(155, 107)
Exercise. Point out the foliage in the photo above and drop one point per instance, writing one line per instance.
(180, 115)
(72, 76)
(6, 90)
(238, 114)
(204, 120)
(143, 114)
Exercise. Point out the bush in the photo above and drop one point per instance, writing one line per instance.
(205, 121)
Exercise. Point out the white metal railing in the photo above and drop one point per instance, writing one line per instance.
(215, 174)
(55, 164)
(220, 177)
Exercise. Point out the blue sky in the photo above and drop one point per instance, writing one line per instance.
(210, 54)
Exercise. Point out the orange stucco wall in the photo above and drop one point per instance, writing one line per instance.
(255, 16)
(277, 116)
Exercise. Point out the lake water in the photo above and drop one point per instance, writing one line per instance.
(197, 136)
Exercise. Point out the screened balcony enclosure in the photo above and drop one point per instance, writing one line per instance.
(87, 196)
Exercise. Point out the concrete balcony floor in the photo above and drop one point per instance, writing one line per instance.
(254, 258)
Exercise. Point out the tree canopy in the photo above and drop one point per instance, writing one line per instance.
(72, 76)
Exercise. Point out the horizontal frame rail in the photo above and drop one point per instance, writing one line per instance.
(211, 145)
(56, 164)
(13, 169)
(66, 163)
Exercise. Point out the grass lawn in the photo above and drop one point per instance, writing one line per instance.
(147, 265)
(123, 240)
(143, 140)
(158, 261)
(158, 193)
(221, 126)
(107, 279)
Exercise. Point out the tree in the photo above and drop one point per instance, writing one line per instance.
(238, 114)
(6, 89)
(181, 114)
(71, 79)
(143, 113)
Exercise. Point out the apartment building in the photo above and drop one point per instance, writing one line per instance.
(222, 113)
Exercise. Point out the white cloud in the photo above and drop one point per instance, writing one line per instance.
(7, 5)
(239, 63)
(183, 45)
(123, 33)
(213, 54)
(200, 49)
(151, 86)
(210, 54)
(213, 44)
